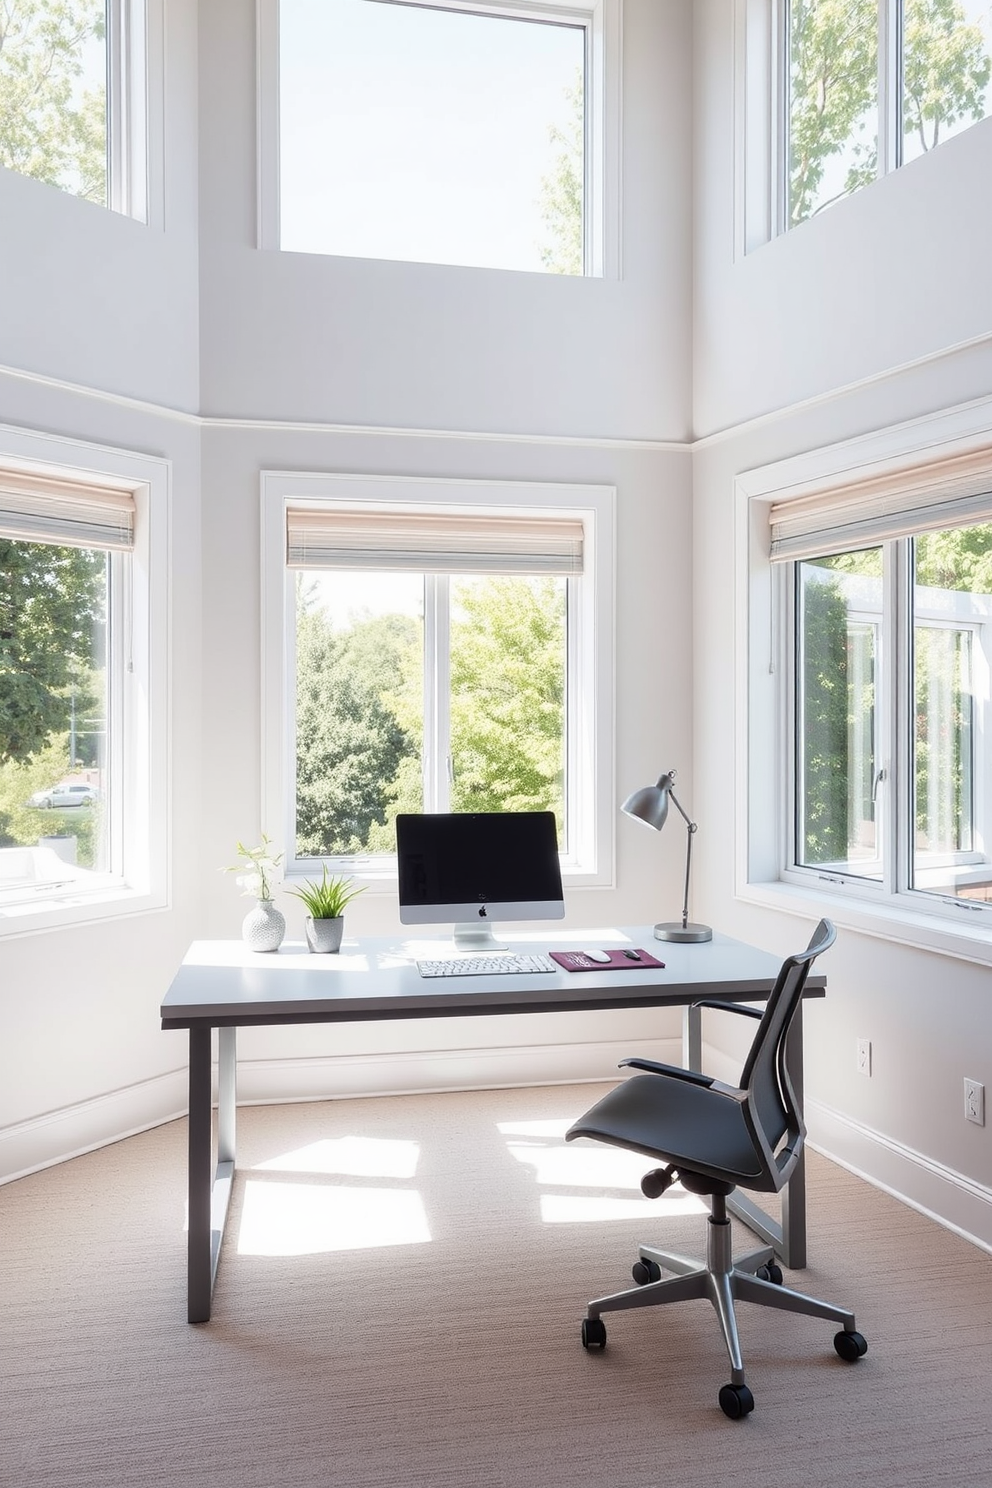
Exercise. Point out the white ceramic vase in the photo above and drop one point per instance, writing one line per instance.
(264, 927)
(324, 936)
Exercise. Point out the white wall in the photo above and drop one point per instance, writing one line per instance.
(873, 315)
(557, 380)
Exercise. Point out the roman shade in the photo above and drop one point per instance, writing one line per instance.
(433, 542)
(946, 493)
(69, 513)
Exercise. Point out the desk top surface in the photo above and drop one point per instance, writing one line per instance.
(222, 982)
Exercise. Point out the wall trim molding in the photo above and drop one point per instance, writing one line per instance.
(845, 390)
(959, 1203)
(366, 431)
(56, 1136)
(659, 446)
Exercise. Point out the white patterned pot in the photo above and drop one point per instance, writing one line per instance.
(324, 935)
(264, 927)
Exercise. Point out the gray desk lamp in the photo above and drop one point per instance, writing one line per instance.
(650, 805)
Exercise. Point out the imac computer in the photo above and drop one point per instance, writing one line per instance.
(473, 867)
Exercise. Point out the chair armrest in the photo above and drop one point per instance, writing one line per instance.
(693, 1077)
(729, 1007)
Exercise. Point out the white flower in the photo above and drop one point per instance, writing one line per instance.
(262, 864)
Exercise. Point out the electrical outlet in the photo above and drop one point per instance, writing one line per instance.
(864, 1056)
(974, 1102)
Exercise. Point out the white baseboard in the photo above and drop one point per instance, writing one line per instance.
(56, 1136)
(953, 1200)
(70, 1131)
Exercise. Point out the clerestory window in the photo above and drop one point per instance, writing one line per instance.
(836, 93)
(478, 134)
(73, 98)
(871, 84)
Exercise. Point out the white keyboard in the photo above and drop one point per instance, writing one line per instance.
(486, 965)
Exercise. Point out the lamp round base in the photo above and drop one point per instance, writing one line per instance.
(685, 934)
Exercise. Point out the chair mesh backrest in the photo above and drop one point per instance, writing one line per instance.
(771, 1097)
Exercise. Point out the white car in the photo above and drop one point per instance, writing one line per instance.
(68, 793)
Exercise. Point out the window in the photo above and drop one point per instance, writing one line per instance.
(82, 727)
(872, 84)
(878, 786)
(435, 646)
(449, 133)
(73, 97)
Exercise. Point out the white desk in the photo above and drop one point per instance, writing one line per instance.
(223, 985)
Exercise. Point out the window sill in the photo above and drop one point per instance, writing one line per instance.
(79, 908)
(884, 922)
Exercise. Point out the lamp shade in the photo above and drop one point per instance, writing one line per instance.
(650, 803)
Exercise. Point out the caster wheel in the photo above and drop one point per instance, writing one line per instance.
(593, 1333)
(771, 1272)
(644, 1272)
(736, 1401)
(851, 1346)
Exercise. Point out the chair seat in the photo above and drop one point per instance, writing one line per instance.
(687, 1125)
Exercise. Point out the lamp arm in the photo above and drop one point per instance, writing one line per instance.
(678, 806)
(690, 833)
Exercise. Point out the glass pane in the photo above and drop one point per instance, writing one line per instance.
(54, 778)
(838, 620)
(947, 64)
(508, 663)
(53, 94)
(359, 709)
(952, 609)
(431, 135)
(833, 102)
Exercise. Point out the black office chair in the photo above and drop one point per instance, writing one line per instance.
(715, 1138)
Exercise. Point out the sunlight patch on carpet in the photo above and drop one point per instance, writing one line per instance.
(364, 1157)
(287, 1219)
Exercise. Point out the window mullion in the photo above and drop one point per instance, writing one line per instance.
(899, 710)
(889, 85)
(437, 690)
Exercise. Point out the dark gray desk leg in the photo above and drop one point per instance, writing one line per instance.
(200, 1134)
(208, 1201)
(794, 1192)
(789, 1237)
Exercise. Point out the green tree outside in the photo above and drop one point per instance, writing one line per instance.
(52, 126)
(508, 695)
(833, 124)
(562, 191)
(360, 714)
(51, 624)
(349, 741)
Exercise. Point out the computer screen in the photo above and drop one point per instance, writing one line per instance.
(473, 867)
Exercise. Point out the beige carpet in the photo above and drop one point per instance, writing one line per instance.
(399, 1303)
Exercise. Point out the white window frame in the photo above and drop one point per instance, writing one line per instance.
(764, 649)
(600, 19)
(590, 773)
(134, 107)
(139, 673)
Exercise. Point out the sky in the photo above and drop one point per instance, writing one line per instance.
(420, 134)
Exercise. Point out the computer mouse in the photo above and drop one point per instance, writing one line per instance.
(603, 956)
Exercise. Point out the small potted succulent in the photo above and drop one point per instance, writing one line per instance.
(326, 902)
